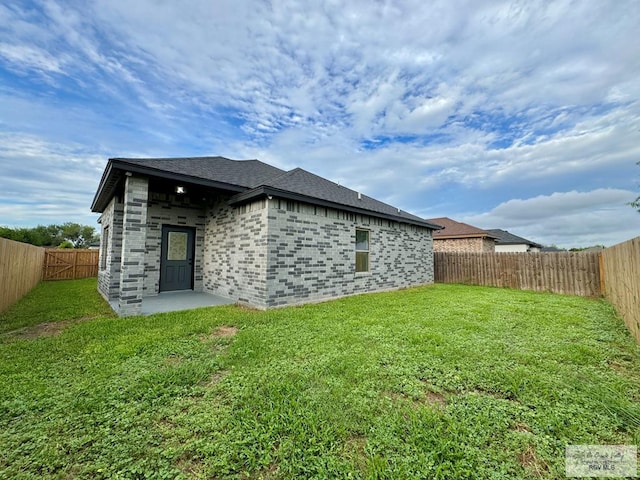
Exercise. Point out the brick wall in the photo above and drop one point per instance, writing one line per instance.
(464, 245)
(175, 210)
(134, 230)
(311, 254)
(235, 252)
(109, 277)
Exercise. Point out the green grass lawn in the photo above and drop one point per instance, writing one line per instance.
(54, 302)
(446, 381)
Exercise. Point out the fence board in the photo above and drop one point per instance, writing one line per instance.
(20, 270)
(70, 264)
(572, 273)
(622, 282)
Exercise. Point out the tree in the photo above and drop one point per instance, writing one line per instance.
(80, 236)
(70, 234)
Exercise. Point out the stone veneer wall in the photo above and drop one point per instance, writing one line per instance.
(136, 192)
(477, 244)
(169, 209)
(109, 277)
(235, 252)
(311, 254)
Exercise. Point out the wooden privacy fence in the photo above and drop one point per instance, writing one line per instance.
(621, 266)
(573, 273)
(20, 270)
(69, 264)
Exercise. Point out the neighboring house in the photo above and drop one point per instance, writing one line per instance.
(460, 237)
(508, 242)
(250, 232)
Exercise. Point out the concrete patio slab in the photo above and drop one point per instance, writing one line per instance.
(177, 301)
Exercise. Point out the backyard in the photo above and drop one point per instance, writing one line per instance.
(444, 381)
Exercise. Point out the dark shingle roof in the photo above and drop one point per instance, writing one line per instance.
(244, 173)
(307, 184)
(453, 229)
(251, 179)
(507, 238)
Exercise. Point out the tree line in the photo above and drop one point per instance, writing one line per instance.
(67, 235)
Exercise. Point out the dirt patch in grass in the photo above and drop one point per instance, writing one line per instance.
(529, 459)
(354, 451)
(435, 399)
(46, 329)
(356, 443)
(247, 308)
(623, 367)
(193, 467)
(521, 427)
(224, 331)
(431, 396)
(220, 338)
(432, 399)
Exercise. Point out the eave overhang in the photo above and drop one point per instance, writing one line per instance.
(265, 191)
(468, 235)
(116, 169)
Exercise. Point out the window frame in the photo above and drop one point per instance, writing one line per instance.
(104, 250)
(367, 252)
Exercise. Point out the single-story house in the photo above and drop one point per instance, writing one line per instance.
(508, 242)
(250, 232)
(461, 237)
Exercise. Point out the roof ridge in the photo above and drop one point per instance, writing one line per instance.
(336, 183)
(277, 177)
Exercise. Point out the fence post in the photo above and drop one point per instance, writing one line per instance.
(601, 273)
(75, 264)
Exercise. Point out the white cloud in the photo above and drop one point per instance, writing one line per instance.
(25, 57)
(567, 219)
(45, 182)
(489, 98)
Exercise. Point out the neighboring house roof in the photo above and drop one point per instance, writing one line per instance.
(507, 238)
(249, 179)
(453, 229)
(552, 249)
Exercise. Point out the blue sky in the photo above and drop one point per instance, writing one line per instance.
(516, 115)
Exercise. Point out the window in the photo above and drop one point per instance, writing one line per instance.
(105, 248)
(177, 248)
(362, 250)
